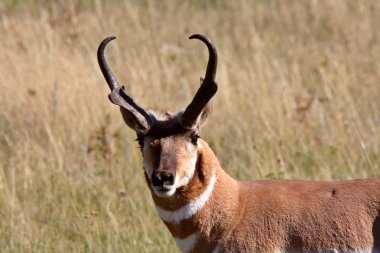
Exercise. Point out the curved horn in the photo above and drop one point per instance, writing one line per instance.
(208, 88)
(213, 56)
(107, 73)
(142, 122)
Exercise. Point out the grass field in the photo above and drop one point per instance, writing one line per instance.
(299, 97)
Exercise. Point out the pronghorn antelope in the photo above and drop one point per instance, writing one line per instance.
(208, 211)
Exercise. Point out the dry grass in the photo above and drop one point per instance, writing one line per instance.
(299, 98)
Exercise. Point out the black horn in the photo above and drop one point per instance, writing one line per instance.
(142, 121)
(107, 73)
(208, 88)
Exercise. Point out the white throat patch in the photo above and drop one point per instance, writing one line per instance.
(188, 243)
(190, 209)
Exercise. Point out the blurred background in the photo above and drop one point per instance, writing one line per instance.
(299, 89)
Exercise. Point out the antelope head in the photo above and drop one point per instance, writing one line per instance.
(169, 142)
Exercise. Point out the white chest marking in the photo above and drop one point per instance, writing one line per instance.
(190, 209)
(216, 250)
(187, 244)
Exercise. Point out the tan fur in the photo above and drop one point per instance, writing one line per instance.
(277, 215)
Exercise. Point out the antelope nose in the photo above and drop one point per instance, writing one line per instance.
(161, 178)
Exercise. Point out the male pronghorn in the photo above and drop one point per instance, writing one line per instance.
(208, 211)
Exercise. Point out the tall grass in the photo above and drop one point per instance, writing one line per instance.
(299, 89)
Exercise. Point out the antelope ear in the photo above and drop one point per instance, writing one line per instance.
(129, 119)
(134, 116)
(205, 114)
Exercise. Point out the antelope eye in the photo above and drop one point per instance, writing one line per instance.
(194, 139)
(155, 143)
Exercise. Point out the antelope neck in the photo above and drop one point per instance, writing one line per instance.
(211, 198)
(190, 209)
(196, 197)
